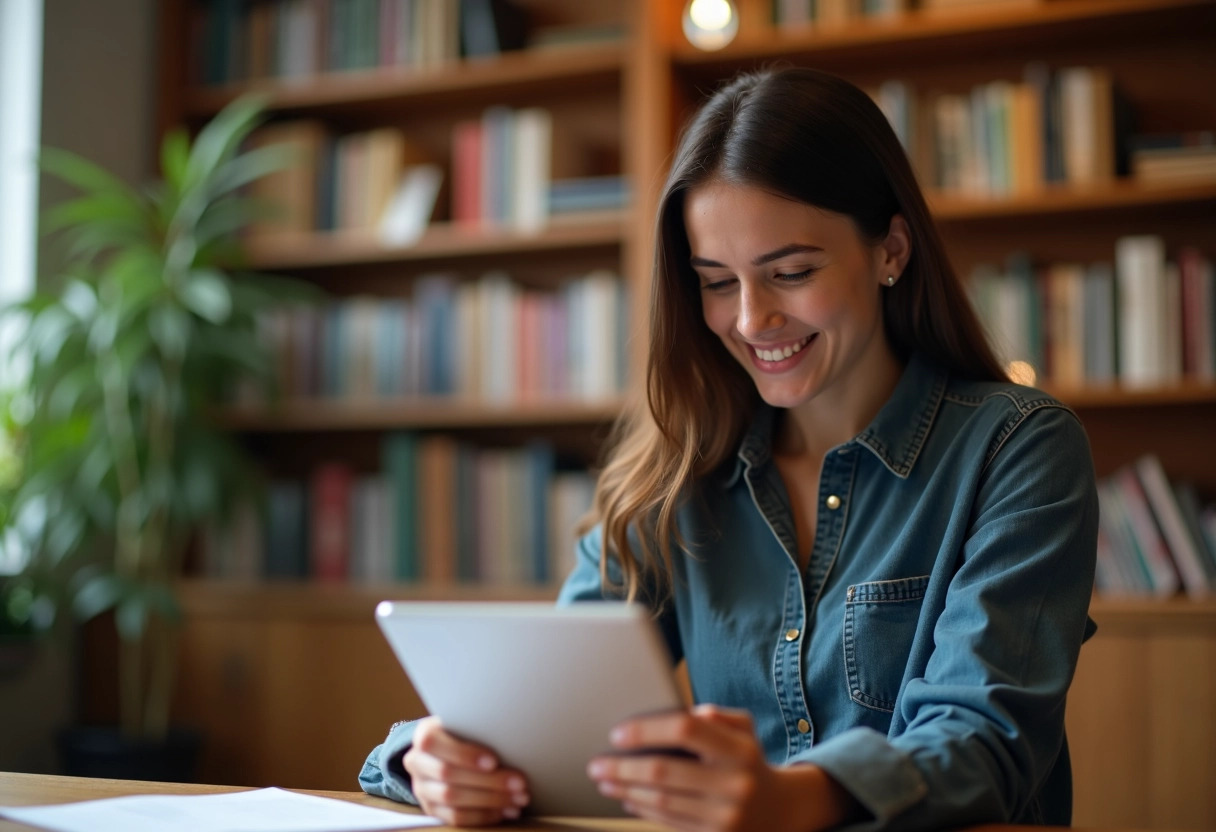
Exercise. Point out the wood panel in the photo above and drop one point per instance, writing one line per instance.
(1142, 721)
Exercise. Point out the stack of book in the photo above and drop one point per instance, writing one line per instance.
(488, 339)
(1154, 536)
(1142, 322)
(1066, 126)
(1174, 157)
(438, 511)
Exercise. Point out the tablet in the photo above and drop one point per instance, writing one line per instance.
(541, 685)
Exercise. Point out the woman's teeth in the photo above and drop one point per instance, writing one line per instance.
(786, 352)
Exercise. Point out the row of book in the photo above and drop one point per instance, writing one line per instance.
(382, 181)
(438, 511)
(1003, 138)
(1144, 321)
(1154, 536)
(240, 40)
(489, 339)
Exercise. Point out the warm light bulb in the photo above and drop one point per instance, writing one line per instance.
(1020, 372)
(710, 24)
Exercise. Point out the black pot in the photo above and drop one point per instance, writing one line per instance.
(103, 751)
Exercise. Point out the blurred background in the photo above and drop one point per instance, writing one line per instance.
(336, 300)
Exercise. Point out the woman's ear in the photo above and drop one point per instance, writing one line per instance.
(894, 251)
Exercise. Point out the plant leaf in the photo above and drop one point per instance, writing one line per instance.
(220, 137)
(98, 594)
(78, 171)
(174, 157)
(206, 294)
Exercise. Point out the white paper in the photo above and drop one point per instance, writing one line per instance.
(260, 810)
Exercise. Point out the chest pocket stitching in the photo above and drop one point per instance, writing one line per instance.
(885, 593)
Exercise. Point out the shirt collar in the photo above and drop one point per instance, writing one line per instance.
(895, 436)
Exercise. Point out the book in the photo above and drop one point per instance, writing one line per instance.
(490, 27)
(287, 538)
(1142, 298)
(1149, 541)
(399, 462)
(330, 522)
(290, 194)
(1182, 547)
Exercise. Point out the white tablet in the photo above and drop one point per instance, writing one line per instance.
(541, 685)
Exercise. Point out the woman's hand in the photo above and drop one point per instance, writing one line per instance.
(460, 782)
(727, 786)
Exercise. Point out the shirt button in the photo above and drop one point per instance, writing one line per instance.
(803, 726)
(791, 635)
(833, 502)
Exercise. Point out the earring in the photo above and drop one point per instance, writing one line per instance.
(890, 280)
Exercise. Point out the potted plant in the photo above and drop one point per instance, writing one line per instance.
(149, 326)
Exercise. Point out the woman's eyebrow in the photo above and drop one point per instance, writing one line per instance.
(775, 254)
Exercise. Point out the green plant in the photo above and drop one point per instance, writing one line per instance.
(151, 323)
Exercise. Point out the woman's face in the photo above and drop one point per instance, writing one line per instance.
(792, 291)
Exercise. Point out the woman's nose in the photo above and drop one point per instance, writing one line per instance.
(757, 313)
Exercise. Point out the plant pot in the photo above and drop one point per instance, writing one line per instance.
(103, 751)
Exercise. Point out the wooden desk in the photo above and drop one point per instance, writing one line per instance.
(44, 789)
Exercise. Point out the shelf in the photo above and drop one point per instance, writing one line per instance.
(202, 597)
(405, 414)
(978, 29)
(1177, 612)
(1065, 200)
(442, 241)
(526, 73)
(1186, 393)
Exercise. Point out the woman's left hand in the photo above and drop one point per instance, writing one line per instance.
(726, 786)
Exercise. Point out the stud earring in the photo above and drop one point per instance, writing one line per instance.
(890, 280)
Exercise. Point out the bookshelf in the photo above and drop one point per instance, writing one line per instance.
(633, 94)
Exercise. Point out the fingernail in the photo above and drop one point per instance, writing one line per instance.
(515, 784)
(609, 789)
(617, 736)
(597, 768)
(510, 812)
(486, 762)
(521, 799)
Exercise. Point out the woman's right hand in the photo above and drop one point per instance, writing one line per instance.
(459, 782)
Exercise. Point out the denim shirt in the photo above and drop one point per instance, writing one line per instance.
(923, 656)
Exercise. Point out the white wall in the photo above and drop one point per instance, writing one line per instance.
(98, 99)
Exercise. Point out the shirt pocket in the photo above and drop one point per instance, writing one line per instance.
(879, 625)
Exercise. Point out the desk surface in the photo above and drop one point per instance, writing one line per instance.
(40, 789)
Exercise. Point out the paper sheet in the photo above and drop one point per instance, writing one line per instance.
(261, 810)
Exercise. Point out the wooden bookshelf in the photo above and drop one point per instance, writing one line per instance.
(442, 242)
(1120, 195)
(531, 74)
(1115, 397)
(897, 38)
(417, 414)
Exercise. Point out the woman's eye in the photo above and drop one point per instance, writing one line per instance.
(794, 277)
(717, 285)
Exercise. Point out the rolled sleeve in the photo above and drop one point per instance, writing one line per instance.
(383, 774)
(879, 776)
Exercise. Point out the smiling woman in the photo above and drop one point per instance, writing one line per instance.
(874, 552)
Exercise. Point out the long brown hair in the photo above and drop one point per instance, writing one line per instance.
(803, 135)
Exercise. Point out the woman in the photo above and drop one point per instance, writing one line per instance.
(874, 552)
